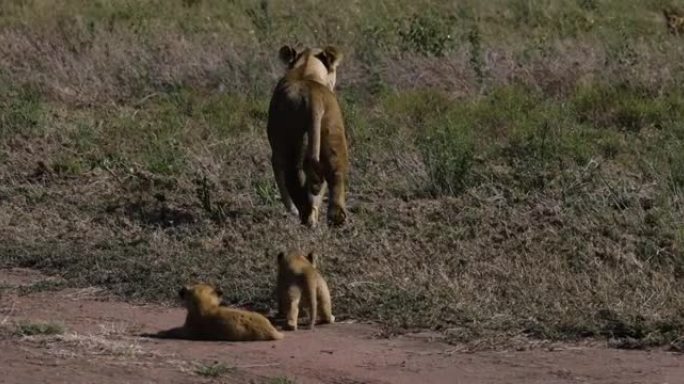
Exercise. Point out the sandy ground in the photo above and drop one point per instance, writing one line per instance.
(101, 343)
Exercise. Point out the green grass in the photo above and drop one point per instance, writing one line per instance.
(42, 286)
(22, 109)
(516, 166)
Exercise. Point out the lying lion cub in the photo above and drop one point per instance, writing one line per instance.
(207, 320)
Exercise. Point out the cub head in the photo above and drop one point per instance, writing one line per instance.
(315, 64)
(296, 257)
(672, 16)
(205, 294)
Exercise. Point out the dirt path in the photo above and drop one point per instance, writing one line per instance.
(100, 344)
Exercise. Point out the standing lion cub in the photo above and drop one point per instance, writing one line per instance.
(307, 136)
(207, 320)
(674, 19)
(299, 282)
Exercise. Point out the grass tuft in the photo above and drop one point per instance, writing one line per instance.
(280, 380)
(213, 370)
(38, 329)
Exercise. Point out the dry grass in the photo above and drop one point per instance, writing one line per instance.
(110, 341)
(516, 170)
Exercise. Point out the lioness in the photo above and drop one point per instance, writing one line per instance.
(307, 137)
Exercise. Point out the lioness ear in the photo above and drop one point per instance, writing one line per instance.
(287, 54)
(218, 292)
(331, 57)
(312, 258)
(281, 256)
(182, 292)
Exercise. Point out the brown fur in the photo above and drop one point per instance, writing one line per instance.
(300, 283)
(674, 18)
(307, 135)
(207, 320)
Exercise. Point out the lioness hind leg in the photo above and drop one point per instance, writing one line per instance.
(337, 210)
(281, 180)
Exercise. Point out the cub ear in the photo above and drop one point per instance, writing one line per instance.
(331, 57)
(287, 54)
(281, 257)
(312, 258)
(218, 292)
(182, 292)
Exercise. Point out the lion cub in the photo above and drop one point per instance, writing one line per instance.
(674, 18)
(206, 320)
(298, 279)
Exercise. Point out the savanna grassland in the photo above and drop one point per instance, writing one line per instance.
(517, 166)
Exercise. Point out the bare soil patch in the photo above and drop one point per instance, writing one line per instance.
(101, 343)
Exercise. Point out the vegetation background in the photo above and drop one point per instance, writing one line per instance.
(518, 166)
